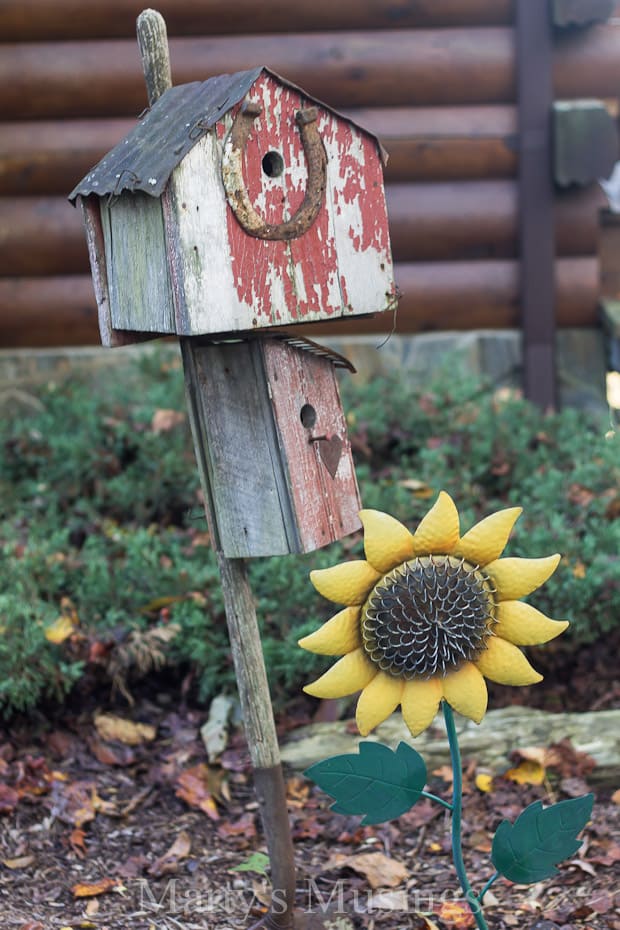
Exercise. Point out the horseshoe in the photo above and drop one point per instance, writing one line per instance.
(234, 184)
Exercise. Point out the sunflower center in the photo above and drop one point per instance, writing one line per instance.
(427, 617)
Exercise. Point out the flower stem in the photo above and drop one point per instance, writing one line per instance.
(457, 803)
(492, 879)
(438, 800)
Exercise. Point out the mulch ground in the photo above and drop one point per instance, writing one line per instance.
(102, 835)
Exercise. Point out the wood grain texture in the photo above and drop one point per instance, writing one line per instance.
(61, 310)
(26, 20)
(226, 280)
(326, 507)
(244, 473)
(428, 222)
(400, 67)
(136, 262)
(423, 143)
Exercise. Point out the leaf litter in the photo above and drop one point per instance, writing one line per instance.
(100, 834)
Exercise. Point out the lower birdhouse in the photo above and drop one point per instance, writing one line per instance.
(268, 420)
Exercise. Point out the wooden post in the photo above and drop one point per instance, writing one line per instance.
(240, 611)
(536, 234)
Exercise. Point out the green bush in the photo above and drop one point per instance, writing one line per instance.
(99, 507)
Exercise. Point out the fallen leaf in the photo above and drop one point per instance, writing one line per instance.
(169, 862)
(110, 727)
(22, 862)
(194, 788)
(388, 901)
(579, 570)
(244, 826)
(32, 926)
(257, 862)
(419, 488)
(456, 915)
(92, 889)
(527, 772)
(65, 625)
(484, 782)
(379, 870)
(164, 420)
(615, 798)
(214, 732)
(92, 908)
(9, 799)
(77, 843)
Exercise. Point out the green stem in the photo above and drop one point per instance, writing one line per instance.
(457, 804)
(433, 797)
(492, 879)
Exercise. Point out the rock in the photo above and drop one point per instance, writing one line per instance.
(490, 743)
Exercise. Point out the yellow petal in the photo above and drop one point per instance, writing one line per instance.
(438, 531)
(504, 663)
(514, 578)
(338, 636)
(347, 583)
(523, 625)
(486, 541)
(387, 543)
(378, 700)
(465, 690)
(349, 674)
(420, 702)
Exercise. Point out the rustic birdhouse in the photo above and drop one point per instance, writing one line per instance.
(235, 205)
(235, 209)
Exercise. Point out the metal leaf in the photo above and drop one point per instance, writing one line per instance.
(528, 850)
(377, 782)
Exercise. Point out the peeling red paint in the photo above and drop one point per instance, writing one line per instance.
(307, 272)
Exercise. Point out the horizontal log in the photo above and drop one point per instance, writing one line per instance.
(51, 157)
(36, 20)
(474, 295)
(423, 143)
(428, 222)
(479, 219)
(61, 310)
(390, 68)
(44, 312)
(41, 236)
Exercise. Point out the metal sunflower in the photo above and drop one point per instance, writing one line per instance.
(429, 616)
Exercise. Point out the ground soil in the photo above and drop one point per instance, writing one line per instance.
(98, 834)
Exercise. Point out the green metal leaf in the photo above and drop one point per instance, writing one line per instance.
(528, 850)
(377, 782)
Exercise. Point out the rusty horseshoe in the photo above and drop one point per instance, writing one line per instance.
(234, 184)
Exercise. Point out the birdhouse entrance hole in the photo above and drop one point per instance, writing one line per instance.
(273, 164)
(307, 416)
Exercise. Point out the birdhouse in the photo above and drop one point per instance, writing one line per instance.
(235, 205)
(271, 436)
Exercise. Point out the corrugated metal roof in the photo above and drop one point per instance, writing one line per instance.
(145, 159)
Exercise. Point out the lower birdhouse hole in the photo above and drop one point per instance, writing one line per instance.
(273, 164)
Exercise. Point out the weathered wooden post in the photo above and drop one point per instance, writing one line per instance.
(235, 209)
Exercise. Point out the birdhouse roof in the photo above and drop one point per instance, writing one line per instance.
(147, 156)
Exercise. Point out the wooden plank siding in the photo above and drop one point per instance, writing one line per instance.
(435, 81)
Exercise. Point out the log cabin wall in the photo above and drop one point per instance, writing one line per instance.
(436, 81)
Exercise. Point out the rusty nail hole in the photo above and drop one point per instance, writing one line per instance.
(307, 416)
(273, 164)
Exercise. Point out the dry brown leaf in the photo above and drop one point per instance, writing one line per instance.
(92, 889)
(92, 908)
(165, 420)
(615, 798)
(21, 862)
(9, 798)
(195, 789)
(110, 727)
(169, 862)
(379, 870)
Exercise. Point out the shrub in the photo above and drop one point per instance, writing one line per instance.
(99, 507)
